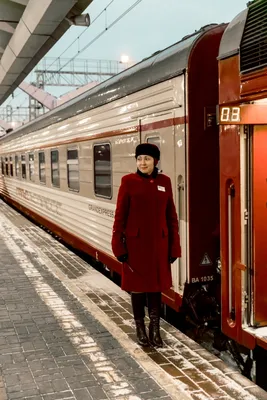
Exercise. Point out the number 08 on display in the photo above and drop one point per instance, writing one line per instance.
(230, 114)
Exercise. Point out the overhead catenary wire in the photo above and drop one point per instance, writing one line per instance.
(119, 18)
(102, 33)
(69, 46)
(85, 30)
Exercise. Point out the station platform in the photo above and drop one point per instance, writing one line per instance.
(67, 332)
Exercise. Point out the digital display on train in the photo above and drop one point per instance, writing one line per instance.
(230, 115)
(255, 114)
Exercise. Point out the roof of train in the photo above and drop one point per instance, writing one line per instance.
(246, 36)
(232, 37)
(159, 67)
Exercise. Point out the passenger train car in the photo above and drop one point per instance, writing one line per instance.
(64, 168)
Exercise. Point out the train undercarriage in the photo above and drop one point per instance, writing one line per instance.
(200, 319)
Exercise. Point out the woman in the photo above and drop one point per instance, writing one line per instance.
(146, 239)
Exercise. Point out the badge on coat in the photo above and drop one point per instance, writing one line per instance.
(161, 188)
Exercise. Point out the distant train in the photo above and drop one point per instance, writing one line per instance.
(203, 101)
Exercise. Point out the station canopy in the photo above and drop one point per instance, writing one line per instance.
(28, 30)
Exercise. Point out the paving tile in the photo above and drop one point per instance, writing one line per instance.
(255, 391)
(97, 393)
(159, 358)
(172, 370)
(195, 375)
(82, 394)
(188, 383)
(223, 367)
(212, 390)
(200, 395)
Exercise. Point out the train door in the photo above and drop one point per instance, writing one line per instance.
(255, 222)
(181, 201)
(162, 130)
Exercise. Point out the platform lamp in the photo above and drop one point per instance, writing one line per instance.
(79, 20)
(125, 60)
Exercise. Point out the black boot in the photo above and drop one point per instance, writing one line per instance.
(138, 304)
(154, 306)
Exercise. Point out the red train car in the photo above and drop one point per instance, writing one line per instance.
(243, 180)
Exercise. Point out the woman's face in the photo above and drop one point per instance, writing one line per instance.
(145, 164)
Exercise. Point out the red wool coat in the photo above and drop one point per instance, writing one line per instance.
(146, 227)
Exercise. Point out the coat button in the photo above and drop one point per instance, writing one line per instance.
(151, 181)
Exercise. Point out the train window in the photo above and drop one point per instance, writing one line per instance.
(11, 165)
(6, 163)
(31, 166)
(42, 167)
(16, 165)
(2, 166)
(102, 170)
(155, 140)
(73, 170)
(55, 168)
(23, 167)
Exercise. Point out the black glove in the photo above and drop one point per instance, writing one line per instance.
(123, 258)
(172, 259)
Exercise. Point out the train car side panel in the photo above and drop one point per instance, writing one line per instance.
(259, 219)
(203, 158)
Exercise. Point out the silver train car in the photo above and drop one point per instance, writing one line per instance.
(64, 168)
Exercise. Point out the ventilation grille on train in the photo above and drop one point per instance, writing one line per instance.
(253, 51)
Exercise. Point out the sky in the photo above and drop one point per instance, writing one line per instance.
(150, 26)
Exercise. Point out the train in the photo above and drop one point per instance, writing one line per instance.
(203, 102)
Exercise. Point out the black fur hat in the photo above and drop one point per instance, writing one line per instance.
(147, 149)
